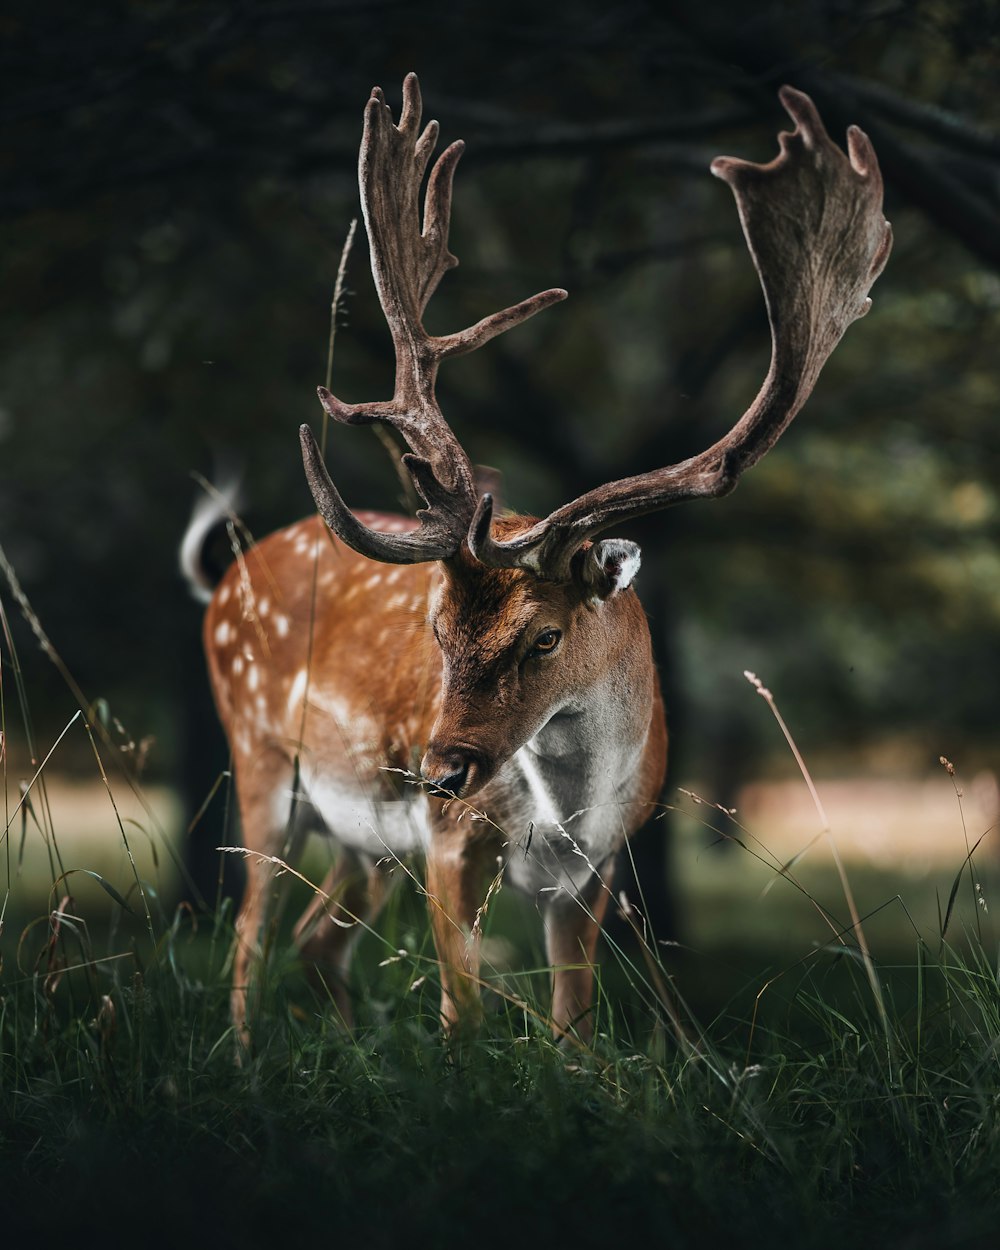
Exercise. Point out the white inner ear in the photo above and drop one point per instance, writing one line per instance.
(620, 560)
(630, 561)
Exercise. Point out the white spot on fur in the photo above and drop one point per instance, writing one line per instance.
(222, 633)
(253, 677)
(341, 712)
(281, 625)
(237, 665)
(298, 689)
(224, 594)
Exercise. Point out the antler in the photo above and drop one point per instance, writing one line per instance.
(407, 264)
(814, 226)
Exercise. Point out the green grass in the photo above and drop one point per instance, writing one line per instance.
(819, 1093)
(817, 1121)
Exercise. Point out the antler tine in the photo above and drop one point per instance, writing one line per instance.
(440, 521)
(813, 222)
(408, 262)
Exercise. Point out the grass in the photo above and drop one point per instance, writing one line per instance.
(120, 1098)
(833, 1088)
(819, 1119)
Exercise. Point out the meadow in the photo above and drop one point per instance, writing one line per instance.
(815, 1060)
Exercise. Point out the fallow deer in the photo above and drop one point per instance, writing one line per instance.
(506, 660)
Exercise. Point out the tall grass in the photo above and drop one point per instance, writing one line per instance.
(836, 1096)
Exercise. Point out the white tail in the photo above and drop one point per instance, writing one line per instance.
(505, 660)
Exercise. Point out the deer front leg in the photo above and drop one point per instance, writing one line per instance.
(572, 923)
(456, 872)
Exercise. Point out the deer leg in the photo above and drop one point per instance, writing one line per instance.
(249, 922)
(259, 789)
(572, 923)
(456, 872)
(352, 893)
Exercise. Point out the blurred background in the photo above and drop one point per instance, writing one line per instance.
(178, 180)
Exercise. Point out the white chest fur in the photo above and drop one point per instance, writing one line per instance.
(557, 803)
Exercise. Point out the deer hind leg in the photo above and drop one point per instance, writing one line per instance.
(351, 895)
(264, 789)
(572, 923)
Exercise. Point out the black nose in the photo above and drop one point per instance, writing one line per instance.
(450, 786)
(447, 772)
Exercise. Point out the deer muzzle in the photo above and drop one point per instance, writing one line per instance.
(454, 771)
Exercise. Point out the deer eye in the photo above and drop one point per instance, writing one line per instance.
(545, 643)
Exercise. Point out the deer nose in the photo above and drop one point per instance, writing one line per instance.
(447, 770)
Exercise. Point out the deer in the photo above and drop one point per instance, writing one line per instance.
(473, 687)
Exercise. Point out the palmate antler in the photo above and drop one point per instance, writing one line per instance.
(813, 222)
(408, 262)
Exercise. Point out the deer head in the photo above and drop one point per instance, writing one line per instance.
(528, 612)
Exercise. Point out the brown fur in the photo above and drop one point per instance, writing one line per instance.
(407, 701)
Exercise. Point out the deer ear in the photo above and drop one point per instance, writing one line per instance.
(608, 567)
